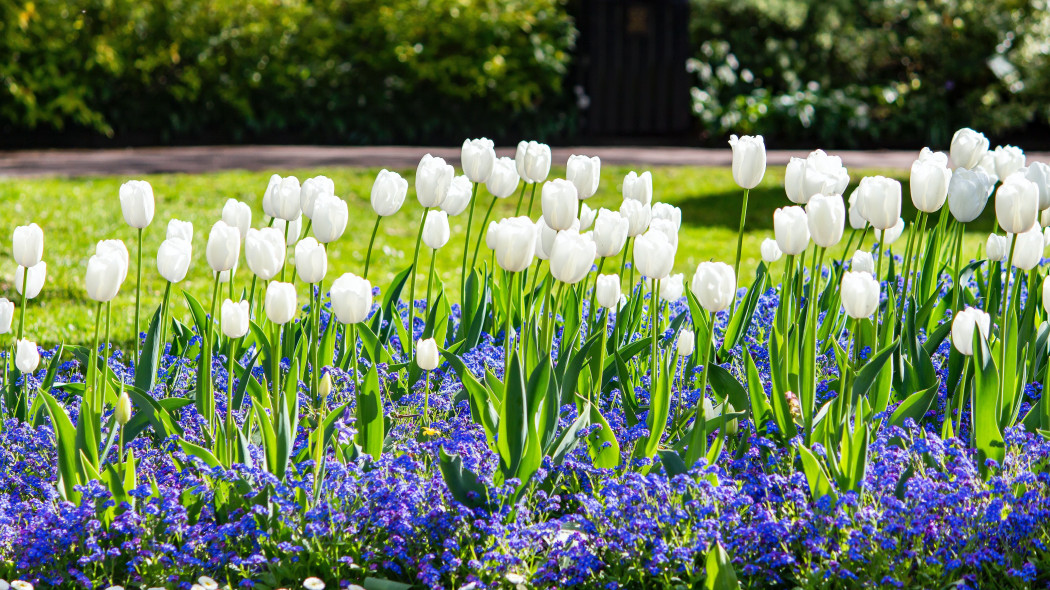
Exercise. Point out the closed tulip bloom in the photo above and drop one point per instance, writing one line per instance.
(856, 218)
(436, 231)
(173, 259)
(122, 413)
(351, 298)
(791, 230)
(1028, 250)
(930, 176)
(264, 249)
(968, 193)
(667, 227)
(558, 201)
(584, 173)
(544, 239)
(118, 249)
(458, 196)
(28, 245)
(235, 320)
(478, 156)
(34, 276)
(879, 199)
(749, 160)
(294, 228)
(794, 175)
(610, 232)
(1017, 204)
(533, 161)
(433, 179)
(638, 187)
(826, 217)
(673, 287)
(637, 215)
(104, 276)
(714, 285)
(862, 261)
(520, 154)
(987, 164)
(668, 212)
(280, 302)
(770, 251)
(27, 356)
(136, 203)
(224, 246)
(427, 357)
(7, 313)
(888, 237)
(282, 198)
(235, 214)
(1008, 159)
(571, 256)
(490, 235)
(311, 261)
(313, 189)
(1039, 173)
(606, 291)
(686, 343)
(514, 241)
(654, 255)
(180, 230)
(504, 178)
(823, 174)
(388, 193)
(997, 247)
(330, 217)
(224, 276)
(968, 147)
(587, 216)
(860, 294)
(963, 326)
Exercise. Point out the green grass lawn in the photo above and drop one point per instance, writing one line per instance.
(75, 213)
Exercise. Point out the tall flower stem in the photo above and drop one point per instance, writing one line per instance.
(739, 245)
(22, 302)
(466, 237)
(623, 261)
(878, 307)
(957, 291)
(1006, 312)
(603, 321)
(138, 297)
(532, 198)
(481, 234)
(812, 312)
(165, 302)
(105, 354)
(92, 370)
(412, 289)
(698, 437)
(315, 346)
(371, 242)
(430, 285)
(230, 360)
(275, 367)
(251, 297)
(506, 329)
(287, 225)
(521, 198)
(208, 348)
(594, 291)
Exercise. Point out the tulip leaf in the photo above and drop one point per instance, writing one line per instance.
(659, 407)
(816, 474)
(513, 424)
(66, 437)
(602, 443)
(370, 417)
(761, 412)
(988, 437)
(566, 440)
(146, 370)
(741, 320)
(482, 409)
(727, 387)
(915, 406)
(871, 371)
(200, 452)
(720, 574)
(464, 485)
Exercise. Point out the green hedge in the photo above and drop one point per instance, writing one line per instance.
(350, 71)
(849, 72)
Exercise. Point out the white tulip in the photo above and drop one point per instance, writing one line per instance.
(289, 229)
(879, 199)
(313, 189)
(224, 247)
(987, 164)
(610, 232)
(968, 147)
(34, 276)
(997, 248)
(686, 343)
(427, 354)
(330, 216)
(28, 245)
(7, 314)
(458, 196)
(105, 273)
(136, 203)
(1046, 299)
(478, 156)
(638, 187)
(351, 298)
(930, 176)
(282, 198)
(1039, 173)
(823, 174)
(571, 256)
(668, 212)
(118, 249)
(584, 173)
(654, 255)
(1028, 249)
(436, 231)
(749, 160)
(968, 192)
(234, 213)
(637, 215)
(794, 176)
(533, 161)
(388, 193)
(714, 285)
(558, 200)
(606, 291)
(1017, 204)
(1008, 159)
(433, 179)
(173, 259)
(791, 230)
(963, 327)
(235, 320)
(888, 237)
(854, 214)
(860, 294)
(862, 261)
(27, 356)
(264, 249)
(504, 178)
(826, 219)
(280, 303)
(311, 261)
(770, 251)
(514, 241)
(122, 414)
(673, 287)
(586, 217)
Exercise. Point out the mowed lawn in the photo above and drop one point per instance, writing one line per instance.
(77, 212)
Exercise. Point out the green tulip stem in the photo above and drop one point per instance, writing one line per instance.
(92, 370)
(698, 438)
(430, 286)
(1005, 333)
(105, 354)
(846, 250)
(957, 291)
(275, 367)
(251, 297)
(284, 265)
(521, 199)
(812, 312)
(603, 322)
(371, 242)
(466, 237)
(412, 289)
(315, 346)
(594, 291)
(229, 406)
(623, 261)
(739, 246)
(165, 302)
(22, 302)
(481, 235)
(138, 297)
(426, 398)
(878, 307)
(532, 198)
(506, 329)
(352, 328)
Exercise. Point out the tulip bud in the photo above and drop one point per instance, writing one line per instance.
(714, 285)
(7, 313)
(427, 354)
(610, 232)
(311, 261)
(686, 343)
(235, 319)
(963, 326)
(136, 203)
(264, 249)
(749, 160)
(987, 165)
(235, 214)
(732, 426)
(558, 202)
(968, 193)
(180, 230)
(824, 174)
(280, 302)
(571, 256)
(770, 251)
(1008, 159)
(173, 259)
(654, 255)
(478, 157)
(879, 199)
(122, 412)
(791, 230)
(388, 193)
(584, 173)
(313, 189)
(997, 248)
(1039, 173)
(1017, 204)
(826, 218)
(458, 196)
(433, 179)
(545, 238)
(282, 198)
(351, 299)
(28, 245)
(514, 241)
(224, 247)
(330, 217)
(930, 176)
(793, 178)
(1028, 249)
(637, 215)
(289, 229)
(860, 294)
(27, 357)
(710, 413)
(533, 161)
(638, 187)
(105, 273)
(504, 178)
(34, 276)
(667, 227)
(862, 261)
(668, 212)
(436, 231)
(856, 218)
(586, 217)
(885, 238)
(968, 147)
(606, 291)
(672, 288)
(324, 388)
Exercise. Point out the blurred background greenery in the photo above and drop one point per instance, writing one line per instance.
(838, 73)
